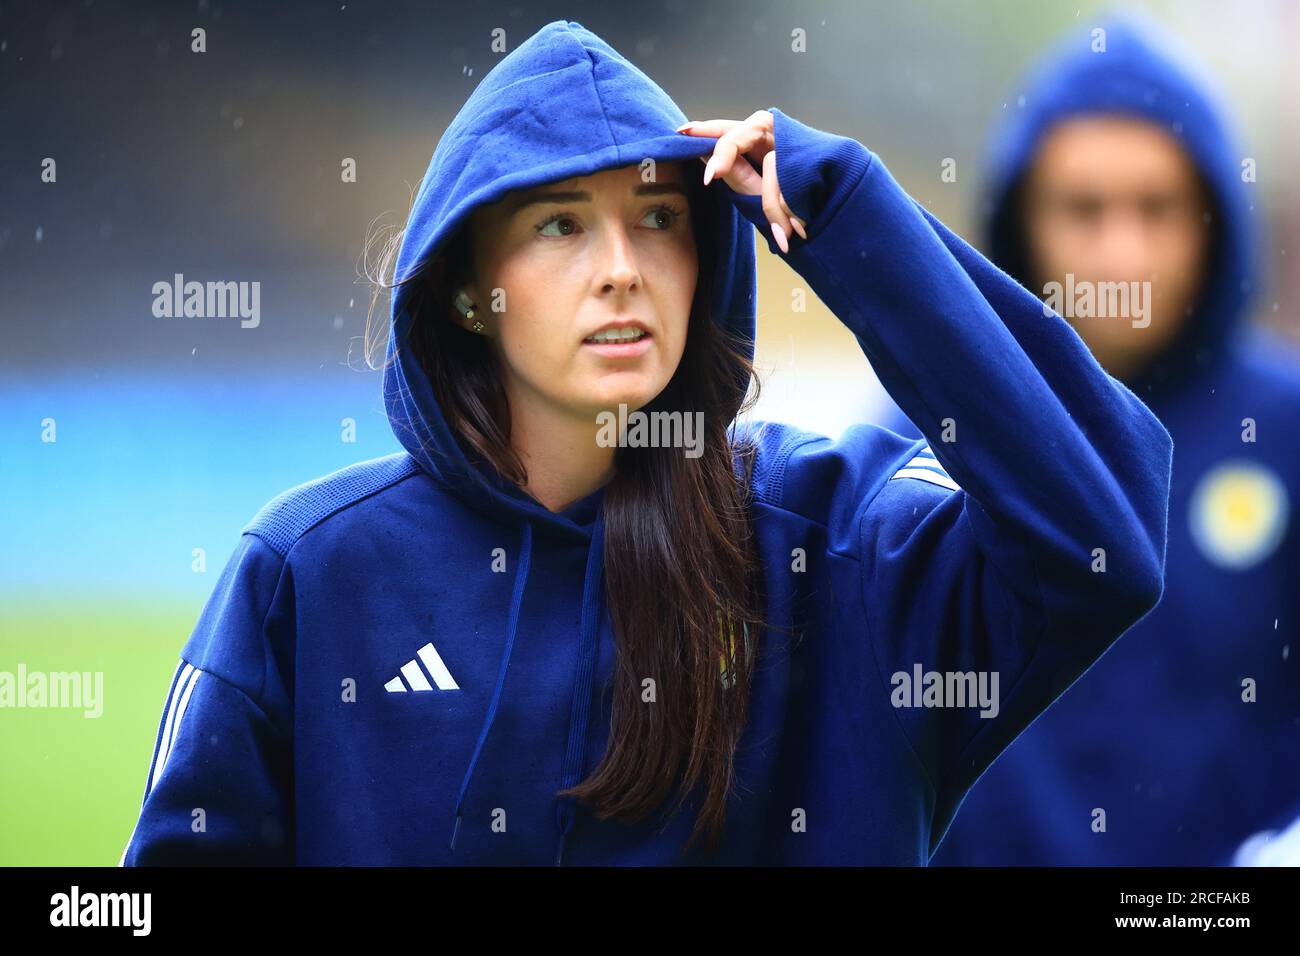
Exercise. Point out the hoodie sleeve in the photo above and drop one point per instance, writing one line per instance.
(1028, 530)
(219, 787)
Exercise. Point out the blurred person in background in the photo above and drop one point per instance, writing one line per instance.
(1184, 739)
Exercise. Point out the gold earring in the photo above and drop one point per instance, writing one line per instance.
(478, 326)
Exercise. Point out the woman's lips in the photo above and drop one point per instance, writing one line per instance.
(621, 349)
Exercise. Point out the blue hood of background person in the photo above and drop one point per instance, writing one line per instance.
(563, 103)
(1143, 75)
(1182, 772)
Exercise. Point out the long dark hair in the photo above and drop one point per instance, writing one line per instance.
(682, 578)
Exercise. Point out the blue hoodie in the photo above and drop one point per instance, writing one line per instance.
(1158, 735)
(405, 660)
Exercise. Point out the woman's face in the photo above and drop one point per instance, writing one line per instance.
(555, 264)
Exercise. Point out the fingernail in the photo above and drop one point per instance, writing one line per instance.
(708, 171)
(798, 227)
(780, 237)
(685, 126)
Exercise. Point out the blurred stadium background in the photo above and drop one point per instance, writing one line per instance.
(172, 432)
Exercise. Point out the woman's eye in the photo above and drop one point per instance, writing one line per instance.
(556, 220)
(561, 224)
(664, 216)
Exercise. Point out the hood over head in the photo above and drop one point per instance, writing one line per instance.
(1142, 74)
(563, 103)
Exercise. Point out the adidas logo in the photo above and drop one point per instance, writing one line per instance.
(415, 676)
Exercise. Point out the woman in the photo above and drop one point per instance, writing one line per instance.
(516, 643)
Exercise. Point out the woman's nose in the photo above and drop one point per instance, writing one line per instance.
(618, 263)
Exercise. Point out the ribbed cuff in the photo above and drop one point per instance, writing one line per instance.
(817, 170)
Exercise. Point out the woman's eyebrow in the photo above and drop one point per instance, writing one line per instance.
(578, 195)
(535, 198)
(660, 189)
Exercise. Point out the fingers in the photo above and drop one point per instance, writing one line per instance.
(799, 225)
(773, 208)
(754, 139)
(714, 127)
(760, 119)
(740, 176)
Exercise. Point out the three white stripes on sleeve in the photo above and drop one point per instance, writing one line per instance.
(184, 678)
(926, 468)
